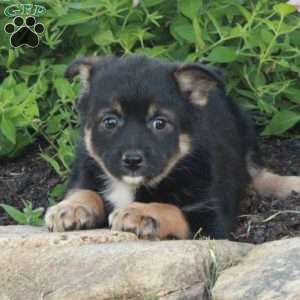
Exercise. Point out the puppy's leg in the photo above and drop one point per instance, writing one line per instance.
(150, 220)
(268, 183)
(81, 209)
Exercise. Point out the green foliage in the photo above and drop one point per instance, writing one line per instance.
(57, 193)
(28, 216)
(256, 42)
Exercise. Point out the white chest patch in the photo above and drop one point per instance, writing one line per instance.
(120, 194)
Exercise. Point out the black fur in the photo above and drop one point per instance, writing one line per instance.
(207, 183)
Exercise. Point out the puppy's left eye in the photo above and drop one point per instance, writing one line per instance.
(109, 123)
(159, 124)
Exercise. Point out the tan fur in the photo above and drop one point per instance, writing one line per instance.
(91, 151)
(151, 220)
(198, 86)
(268, 183)
(116, 106)
(84, 71)
(184, 149)
(80, 209)
(152, 110)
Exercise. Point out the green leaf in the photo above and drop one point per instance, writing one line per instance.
(159, 51)
(54, 164)
(58, 191)
(87, 29)
(33, 216)
(63, 88)
(6, 147)
(222, 54)
(245, 12)
(11, 57)
(293, 94)
(189, 8)
(14, 213)
(54, 125)
(149, 3)
(59, 69)
(266, 35)
(86, 4)
(51, 202)
(281, 122)
(127, 38)
(103, 38)
(284, 9)
(198, 34)
(23, 139)
(181, 28)
(74, 18)
(8, 129)
(28, 68)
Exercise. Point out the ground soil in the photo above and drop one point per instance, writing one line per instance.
(262, 218)
(27, 178)
(265, 219)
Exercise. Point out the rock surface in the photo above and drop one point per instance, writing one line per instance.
(100, 265)
(269, 272)
(107, 265)
(29, 236)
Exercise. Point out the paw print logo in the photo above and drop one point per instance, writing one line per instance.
(24, 32)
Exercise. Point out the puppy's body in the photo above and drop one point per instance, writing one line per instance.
(207, 184)
(175, 142)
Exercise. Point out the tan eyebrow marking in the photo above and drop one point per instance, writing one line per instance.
(115, 108)
(154, 109)
(116, 105)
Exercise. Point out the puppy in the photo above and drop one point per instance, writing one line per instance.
(164, 152)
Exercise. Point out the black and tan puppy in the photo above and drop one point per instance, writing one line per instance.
(164, 152)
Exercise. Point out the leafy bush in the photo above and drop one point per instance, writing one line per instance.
(256, 42)
(28, 216)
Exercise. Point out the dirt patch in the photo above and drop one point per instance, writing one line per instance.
(268, 219)
(28, 177)
(265, 219)
(262, 219)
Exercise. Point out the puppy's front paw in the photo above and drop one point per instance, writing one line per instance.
(81, 210)
(67, 216)
(133, 219)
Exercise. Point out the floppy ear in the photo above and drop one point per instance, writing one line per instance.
(196, 80)
(83, 67)
(86, 67)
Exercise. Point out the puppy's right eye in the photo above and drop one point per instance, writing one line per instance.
(159, 124)
(110, 123)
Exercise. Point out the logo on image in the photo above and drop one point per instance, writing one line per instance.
(24, 30)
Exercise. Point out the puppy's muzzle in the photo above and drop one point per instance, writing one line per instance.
(133, 160)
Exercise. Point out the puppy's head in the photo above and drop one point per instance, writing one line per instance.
(140, 115)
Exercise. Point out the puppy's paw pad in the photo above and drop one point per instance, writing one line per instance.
(132, 220)
(65, 217)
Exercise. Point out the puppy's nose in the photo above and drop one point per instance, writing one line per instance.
(132, 160)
